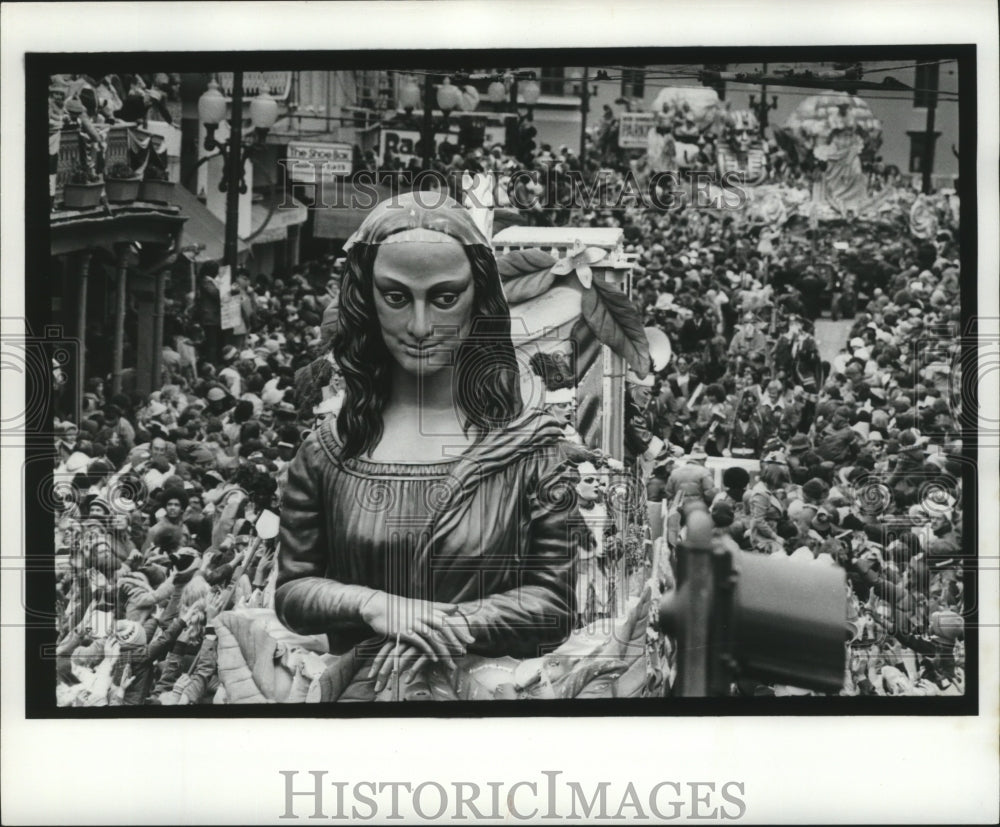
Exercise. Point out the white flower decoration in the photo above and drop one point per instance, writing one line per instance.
(579, 260)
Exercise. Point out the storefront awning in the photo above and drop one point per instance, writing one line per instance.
(350, 206)
(202, 227)
(271, 218)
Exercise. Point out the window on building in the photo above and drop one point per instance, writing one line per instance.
(553, 80)
(925, 85)
(633, 83)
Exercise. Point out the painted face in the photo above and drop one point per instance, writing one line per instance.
(563, 411)
(642, 396)
(588, 488)
(743, 137)
(424, 298)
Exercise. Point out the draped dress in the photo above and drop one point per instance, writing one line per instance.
(490, 530)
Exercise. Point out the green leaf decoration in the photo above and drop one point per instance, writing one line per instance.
(616, 323)
(522, 288)
(526, 274)
(522, 262)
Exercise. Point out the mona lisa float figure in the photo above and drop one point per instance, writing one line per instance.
(427, 523)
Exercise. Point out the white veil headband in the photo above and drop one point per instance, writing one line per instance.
(433, 213)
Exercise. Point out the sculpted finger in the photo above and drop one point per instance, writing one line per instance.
(385, 671)
(415, 669)
(406, 661)
(380, 657)
(437, 640)
(422, 641)
(455, 646)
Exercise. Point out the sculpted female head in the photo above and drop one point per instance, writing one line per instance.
(421, 294)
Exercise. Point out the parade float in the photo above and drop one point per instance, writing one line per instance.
(577, 334)
(833, 137)
(684, 119)
(741, 155)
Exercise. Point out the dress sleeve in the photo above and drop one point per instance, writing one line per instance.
(539, 612)
(306, 600)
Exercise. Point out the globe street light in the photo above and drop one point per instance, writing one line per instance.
(409, 95)
(212, 111)
(449, 97)
(497, 92)
(531, 91)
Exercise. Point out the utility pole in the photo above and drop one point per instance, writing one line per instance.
(584, 109)
(718, 85)
(235, 171)
(927, 161)
(763, 106)
(763, 101)
(514, 147)
(428, 130)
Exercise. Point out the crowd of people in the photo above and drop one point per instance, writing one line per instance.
(860, 455)
(161, 497)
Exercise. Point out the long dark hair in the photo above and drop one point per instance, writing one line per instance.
(486, 381)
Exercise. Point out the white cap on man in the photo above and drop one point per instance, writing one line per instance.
(560, 396)
(633, 379)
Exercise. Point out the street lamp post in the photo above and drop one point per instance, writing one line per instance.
(428, 130)
(530, 92)
(212, 111)
(448, 98)
(235, 185)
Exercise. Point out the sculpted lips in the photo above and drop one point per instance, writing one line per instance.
(420, 350)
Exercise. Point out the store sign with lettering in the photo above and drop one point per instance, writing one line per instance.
(329, 160)
(405, 144)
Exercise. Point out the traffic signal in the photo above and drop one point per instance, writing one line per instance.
(526, 142)
(471, 133)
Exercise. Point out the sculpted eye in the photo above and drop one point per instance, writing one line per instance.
(446, 300)
(394, 298)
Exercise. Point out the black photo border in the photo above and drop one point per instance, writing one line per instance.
(39, 584)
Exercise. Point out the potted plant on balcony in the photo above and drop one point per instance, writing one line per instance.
(156, 186)
(122, 184)
(82, 190)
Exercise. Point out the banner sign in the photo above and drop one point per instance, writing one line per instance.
(633, 127)
(230, 312)
(333, 160)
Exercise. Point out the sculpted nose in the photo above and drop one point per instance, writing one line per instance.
(419, 326)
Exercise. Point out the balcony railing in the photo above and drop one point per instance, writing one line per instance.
(116, 151)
